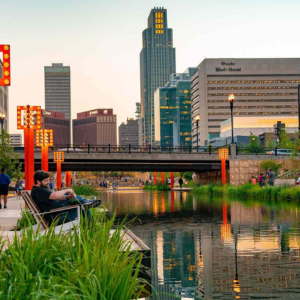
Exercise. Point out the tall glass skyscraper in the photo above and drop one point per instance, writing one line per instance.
(58, 89)
(157, 63)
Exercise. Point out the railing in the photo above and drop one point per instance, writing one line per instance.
(148, 149)
(263, 151)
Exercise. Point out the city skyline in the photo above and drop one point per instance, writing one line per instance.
(48, 35)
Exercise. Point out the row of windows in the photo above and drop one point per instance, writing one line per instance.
(194, 85)
(56, 122)
(254, 88)
(245, 107)
(253, 100)
(195, 79)
(159, 26)
(255, 75)
(195, 98)
(195, 91)
(253, 94)
(252, 81)
(216, 120)
(84, 121)
(214, 126)
(256, 113)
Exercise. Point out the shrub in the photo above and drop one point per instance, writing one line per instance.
(85, 190)
(271, 164)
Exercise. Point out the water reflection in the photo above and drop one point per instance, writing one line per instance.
(214, 248)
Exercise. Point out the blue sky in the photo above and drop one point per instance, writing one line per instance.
(101, 41)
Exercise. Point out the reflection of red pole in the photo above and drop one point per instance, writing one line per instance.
(154, 173)
(162, 178)
(58, 175)
(172, 201)
(68, 179)
(223, 164)
(224, 213)
(172, 180)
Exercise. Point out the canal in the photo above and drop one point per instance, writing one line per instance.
(204, 248)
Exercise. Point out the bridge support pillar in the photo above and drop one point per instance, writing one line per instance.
(232, 151)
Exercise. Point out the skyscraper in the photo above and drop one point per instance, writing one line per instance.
(157, 63)
(58, 89)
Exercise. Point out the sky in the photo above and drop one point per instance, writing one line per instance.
(101, 41)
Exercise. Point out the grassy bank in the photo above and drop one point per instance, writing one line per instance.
(82, 264)
(158, 187)
(251, 191)
(85, 190)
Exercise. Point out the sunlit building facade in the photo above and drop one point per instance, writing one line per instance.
(4, 101)
(172, 107)
(262, 87)
(157, 63)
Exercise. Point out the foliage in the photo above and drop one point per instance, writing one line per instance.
(284, 140)
(158, 187)
(115, 174)
(85, 263)
(85, 190)
(270, 144)
(255, 146)
(26, 220)
(188, 175)
(271, 164)
(8, 158)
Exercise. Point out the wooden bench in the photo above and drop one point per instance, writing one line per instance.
(39, 217)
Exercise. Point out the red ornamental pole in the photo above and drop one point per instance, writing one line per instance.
(162, 178)
(68, 179)
(154, 173)
(172, 180)
(223, 162)
(46, 164)
(58, 175)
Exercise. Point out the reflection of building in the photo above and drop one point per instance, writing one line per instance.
(262, 87)
(4, 101)
(245, 125)
(60, 126)
(95, 127)
(129, 133)
(172, 109)
(157, 63)
(16, 140)
(58, 89)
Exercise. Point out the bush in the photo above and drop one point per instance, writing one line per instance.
(85, 190)
(158, 187)
(271, 164)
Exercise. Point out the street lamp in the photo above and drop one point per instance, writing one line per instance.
(44, 139)
(231, 99)
(58, 157)
(197, 119)
(2, 118)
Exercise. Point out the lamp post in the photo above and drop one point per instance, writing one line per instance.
(231, 99)
(197, 119)
(44, 139)
(29, 119)
(58, 157)
(2, 118)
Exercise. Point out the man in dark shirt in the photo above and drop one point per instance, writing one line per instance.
(47, 200)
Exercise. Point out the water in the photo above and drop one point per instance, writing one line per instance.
(215, 248)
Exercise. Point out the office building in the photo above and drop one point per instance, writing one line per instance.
(262, 87)
(95, 127)
(4, 101)
(58, 89)
(59, 124)
(172, 110)
(157, 63)
(129, 133)
(16, 140)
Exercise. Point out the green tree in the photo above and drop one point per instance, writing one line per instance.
(285, 140)
(271, 164)
(8, 158)
(188, 175)
(255, 146)
(270, 144)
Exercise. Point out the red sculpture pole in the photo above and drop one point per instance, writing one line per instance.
(58, 175)
(155, 182)
(68, 179)
(172, 180)
(223, 163)
(162, 178)
(46, 165)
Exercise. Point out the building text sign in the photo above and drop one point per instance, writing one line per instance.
(228, 67)
(5, 76)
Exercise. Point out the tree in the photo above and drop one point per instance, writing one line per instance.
(255, 146)
(271, 164)
(270, 144)
(8, 158)
(188, 176)
(284, 140)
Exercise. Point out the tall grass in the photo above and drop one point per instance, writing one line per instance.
(85, 190)
(158, 187)
(250, 191)
(85, 263)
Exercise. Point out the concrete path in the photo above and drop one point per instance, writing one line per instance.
(10, 215)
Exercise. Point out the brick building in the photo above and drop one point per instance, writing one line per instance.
(95, 127)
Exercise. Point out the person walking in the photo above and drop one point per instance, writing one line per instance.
(271, 177)
(180, 181)
(4, 184)
(19, 187)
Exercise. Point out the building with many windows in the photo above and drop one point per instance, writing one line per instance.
(59, 124)
(95, 127)
(157, 63)
(58, 89)
(262, 87)
(172, 107)
(4, 100)
(129, 133)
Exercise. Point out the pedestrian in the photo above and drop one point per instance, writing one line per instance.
(19, 187)
(253, 180)
(271, 177)
(180, 181)
(4, 184)
(51, 185)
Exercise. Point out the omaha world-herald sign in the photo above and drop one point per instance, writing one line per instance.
(228, 67)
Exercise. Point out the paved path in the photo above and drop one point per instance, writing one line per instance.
(10, 216)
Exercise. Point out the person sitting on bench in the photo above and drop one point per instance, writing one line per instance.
(46, 200)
